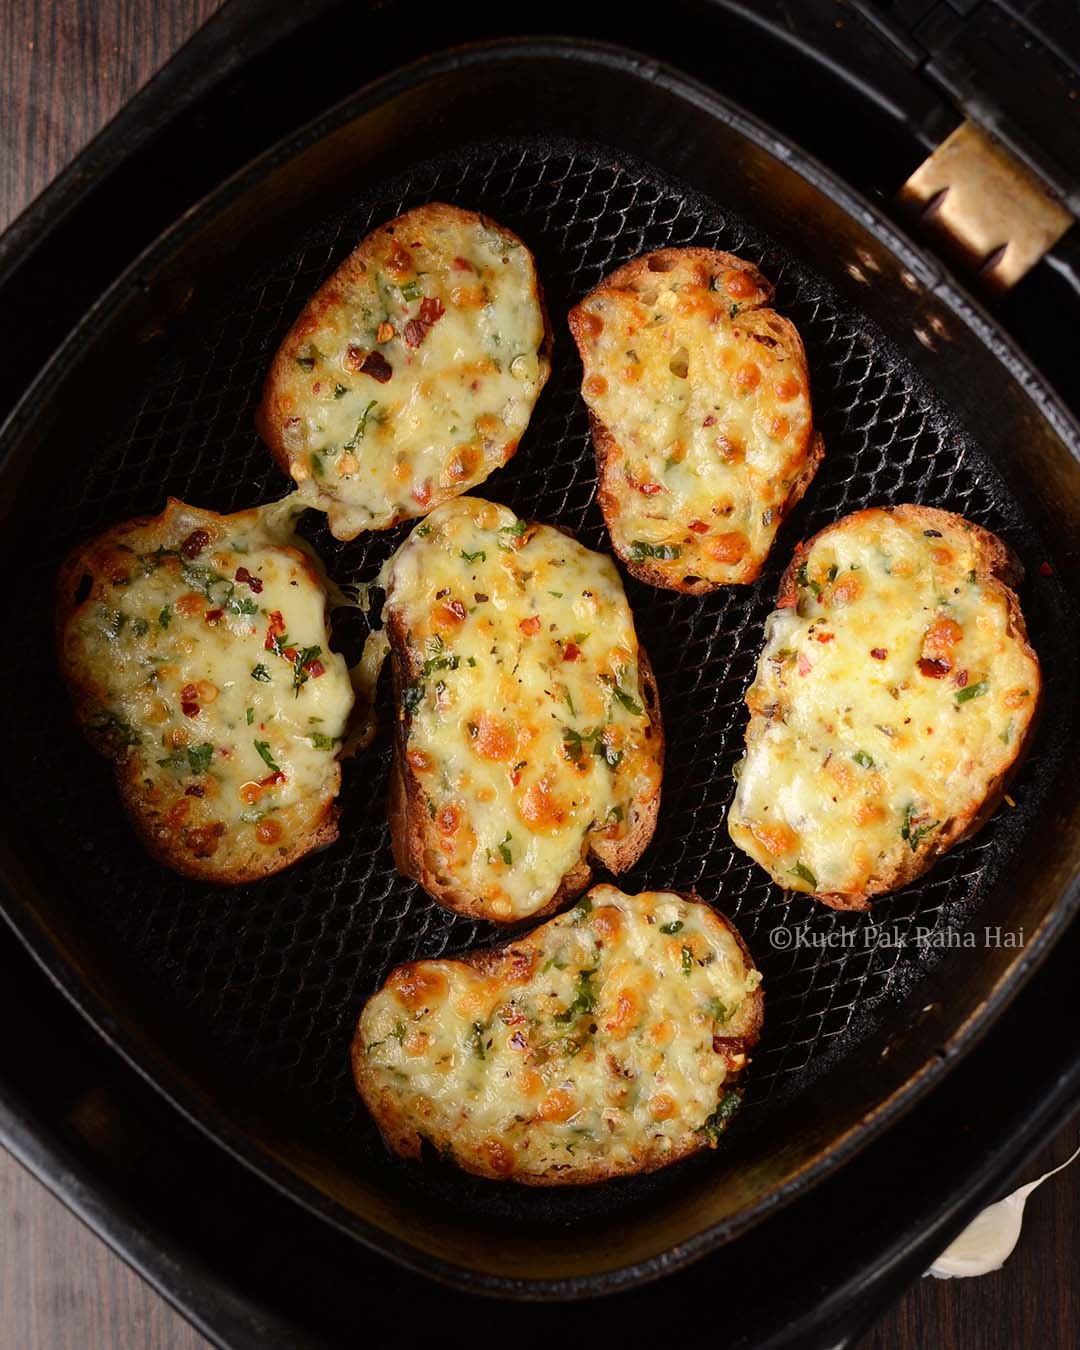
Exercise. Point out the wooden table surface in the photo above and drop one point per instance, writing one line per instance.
(66, 66)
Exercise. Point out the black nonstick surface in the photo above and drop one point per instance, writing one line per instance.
(272, 976)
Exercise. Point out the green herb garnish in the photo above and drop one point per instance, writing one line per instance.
(584, 998)
(640, 550)
(304, 658)
(670, 929)
(582, 909)
(195, 757)
(803, 872)
(630, 704)
(260, 673)
(361, 426)
(913, 832)
(717, 1010)
(804, 580)
(971, 691)
(263, 748)
(718, 1122)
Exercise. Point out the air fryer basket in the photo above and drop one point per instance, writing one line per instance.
(240, 1004)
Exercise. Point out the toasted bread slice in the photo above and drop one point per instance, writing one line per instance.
(699, 401)
(196, 650)
(895, 693)
(411, 374)
(529, 735)
(608, 1041)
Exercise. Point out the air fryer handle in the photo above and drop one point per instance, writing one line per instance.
(1011, 66)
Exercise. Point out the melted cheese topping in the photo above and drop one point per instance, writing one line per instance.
(200, 657)
(413, 373)
(603, 1042)
(886, 706)
(527, 727)
(707, 401)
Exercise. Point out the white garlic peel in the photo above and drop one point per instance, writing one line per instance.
(988, 1241)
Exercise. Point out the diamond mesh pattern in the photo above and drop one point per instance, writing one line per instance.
(277, 972)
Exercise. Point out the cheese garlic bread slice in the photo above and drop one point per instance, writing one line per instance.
(412, 372)
(528, 734)
(699, 401)
(196, 650)
(895, 692)
(608, 1041)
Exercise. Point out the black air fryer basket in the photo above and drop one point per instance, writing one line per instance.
(239, 1005)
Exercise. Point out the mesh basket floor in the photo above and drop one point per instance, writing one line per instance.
(277, 972)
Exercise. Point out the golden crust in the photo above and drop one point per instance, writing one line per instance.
(631, 276)
(996, 567)
(81, 579)
(511, 964)
(331, 296)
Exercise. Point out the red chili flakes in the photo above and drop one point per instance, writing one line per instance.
(272, 778)
(213, 615)
(699, 527)
(933, 670)
(194, 791)
(710, 421)
(189, 704)
(246, 579)
(354, 360)
(194, 544)
(463, 264)
(571, 651)
(878, 653)
(377, 366)
(804, 667)
(275, 629)
(961, 678)
(457, 608)
(650, 489)
(518, 1041)
(824, 637)
(315, 669)
(431, 310)
(530, 626)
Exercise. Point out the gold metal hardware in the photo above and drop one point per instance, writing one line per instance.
(987, 204)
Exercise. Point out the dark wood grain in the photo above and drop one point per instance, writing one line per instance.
(61, 1288)
(1032, 1303)
(66, 66)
